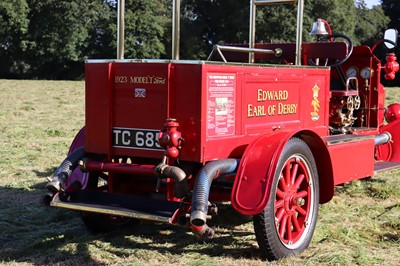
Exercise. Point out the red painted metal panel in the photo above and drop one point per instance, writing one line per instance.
(252, 186)
(352, 160)
(97, 135)
(141, 94)
(185, 105)
(391, 150)
(266, 99)
(220, 108)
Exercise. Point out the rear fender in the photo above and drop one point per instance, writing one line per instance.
(252, 186)
(78, 141)
(323, 162)
(77, 174)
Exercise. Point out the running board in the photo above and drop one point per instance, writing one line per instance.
(118, 205)
(345, 138)
(385, 166)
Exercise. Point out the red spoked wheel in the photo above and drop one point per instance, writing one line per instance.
(287, 224)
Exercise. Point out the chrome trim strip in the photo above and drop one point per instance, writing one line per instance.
(339, 139)
(108, 210)
(384, 166)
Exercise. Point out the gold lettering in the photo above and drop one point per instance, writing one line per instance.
(261, 110)
(260, 95)
(141, 80)
(121, 79)
(255, 111)
(271, 110)
(286, 109)
(263, 95)
(249, 110)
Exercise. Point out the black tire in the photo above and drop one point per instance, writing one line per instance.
(101, 223)
(286, 225)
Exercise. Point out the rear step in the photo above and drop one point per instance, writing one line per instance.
(385, 166)
(119, 205)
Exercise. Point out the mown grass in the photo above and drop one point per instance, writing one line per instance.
(38, 120)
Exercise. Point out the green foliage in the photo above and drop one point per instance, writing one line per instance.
(370, 29)
(392, 10)
(52, 38)
(205, 23)
(57, 47)
(226, 21)
(13, 29)
(144, 29)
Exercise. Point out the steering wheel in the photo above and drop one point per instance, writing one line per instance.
(333, 38)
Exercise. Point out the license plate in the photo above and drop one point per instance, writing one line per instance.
(136, 138)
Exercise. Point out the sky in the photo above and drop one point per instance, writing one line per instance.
(371, 3)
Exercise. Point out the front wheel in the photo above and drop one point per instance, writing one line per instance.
(286, 225)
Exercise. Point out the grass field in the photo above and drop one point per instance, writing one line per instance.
(38, 120)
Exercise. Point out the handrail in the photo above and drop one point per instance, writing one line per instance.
(266, 2)
(299, 29)
(348, 83)
(219, 48)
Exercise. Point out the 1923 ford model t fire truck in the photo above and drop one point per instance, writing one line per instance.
(165, 140)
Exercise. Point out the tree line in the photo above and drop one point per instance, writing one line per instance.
(50, 39)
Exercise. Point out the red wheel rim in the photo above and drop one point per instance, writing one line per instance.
(293, 201)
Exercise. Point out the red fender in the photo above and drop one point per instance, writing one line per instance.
(252, 186)
(78, 141)
(77, 174)
(391, 150)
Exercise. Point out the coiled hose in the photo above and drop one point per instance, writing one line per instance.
(65, 169)
(201, 191)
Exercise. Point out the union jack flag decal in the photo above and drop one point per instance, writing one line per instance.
(140, 93)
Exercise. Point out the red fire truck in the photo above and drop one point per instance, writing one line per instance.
(271, 128)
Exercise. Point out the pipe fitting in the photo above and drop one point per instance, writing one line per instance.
(383, 138)
(198, 218)
(181, 185)
(170, 138)
(203, 232)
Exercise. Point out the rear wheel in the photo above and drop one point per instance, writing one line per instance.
(286, 225)
(101, 223)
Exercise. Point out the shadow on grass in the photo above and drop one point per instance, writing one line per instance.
(33, 233)
(169, 240)
(47, 173)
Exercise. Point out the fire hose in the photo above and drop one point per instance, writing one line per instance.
(201, 190)
(65, 169)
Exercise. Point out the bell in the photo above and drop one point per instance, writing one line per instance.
(318, 28)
